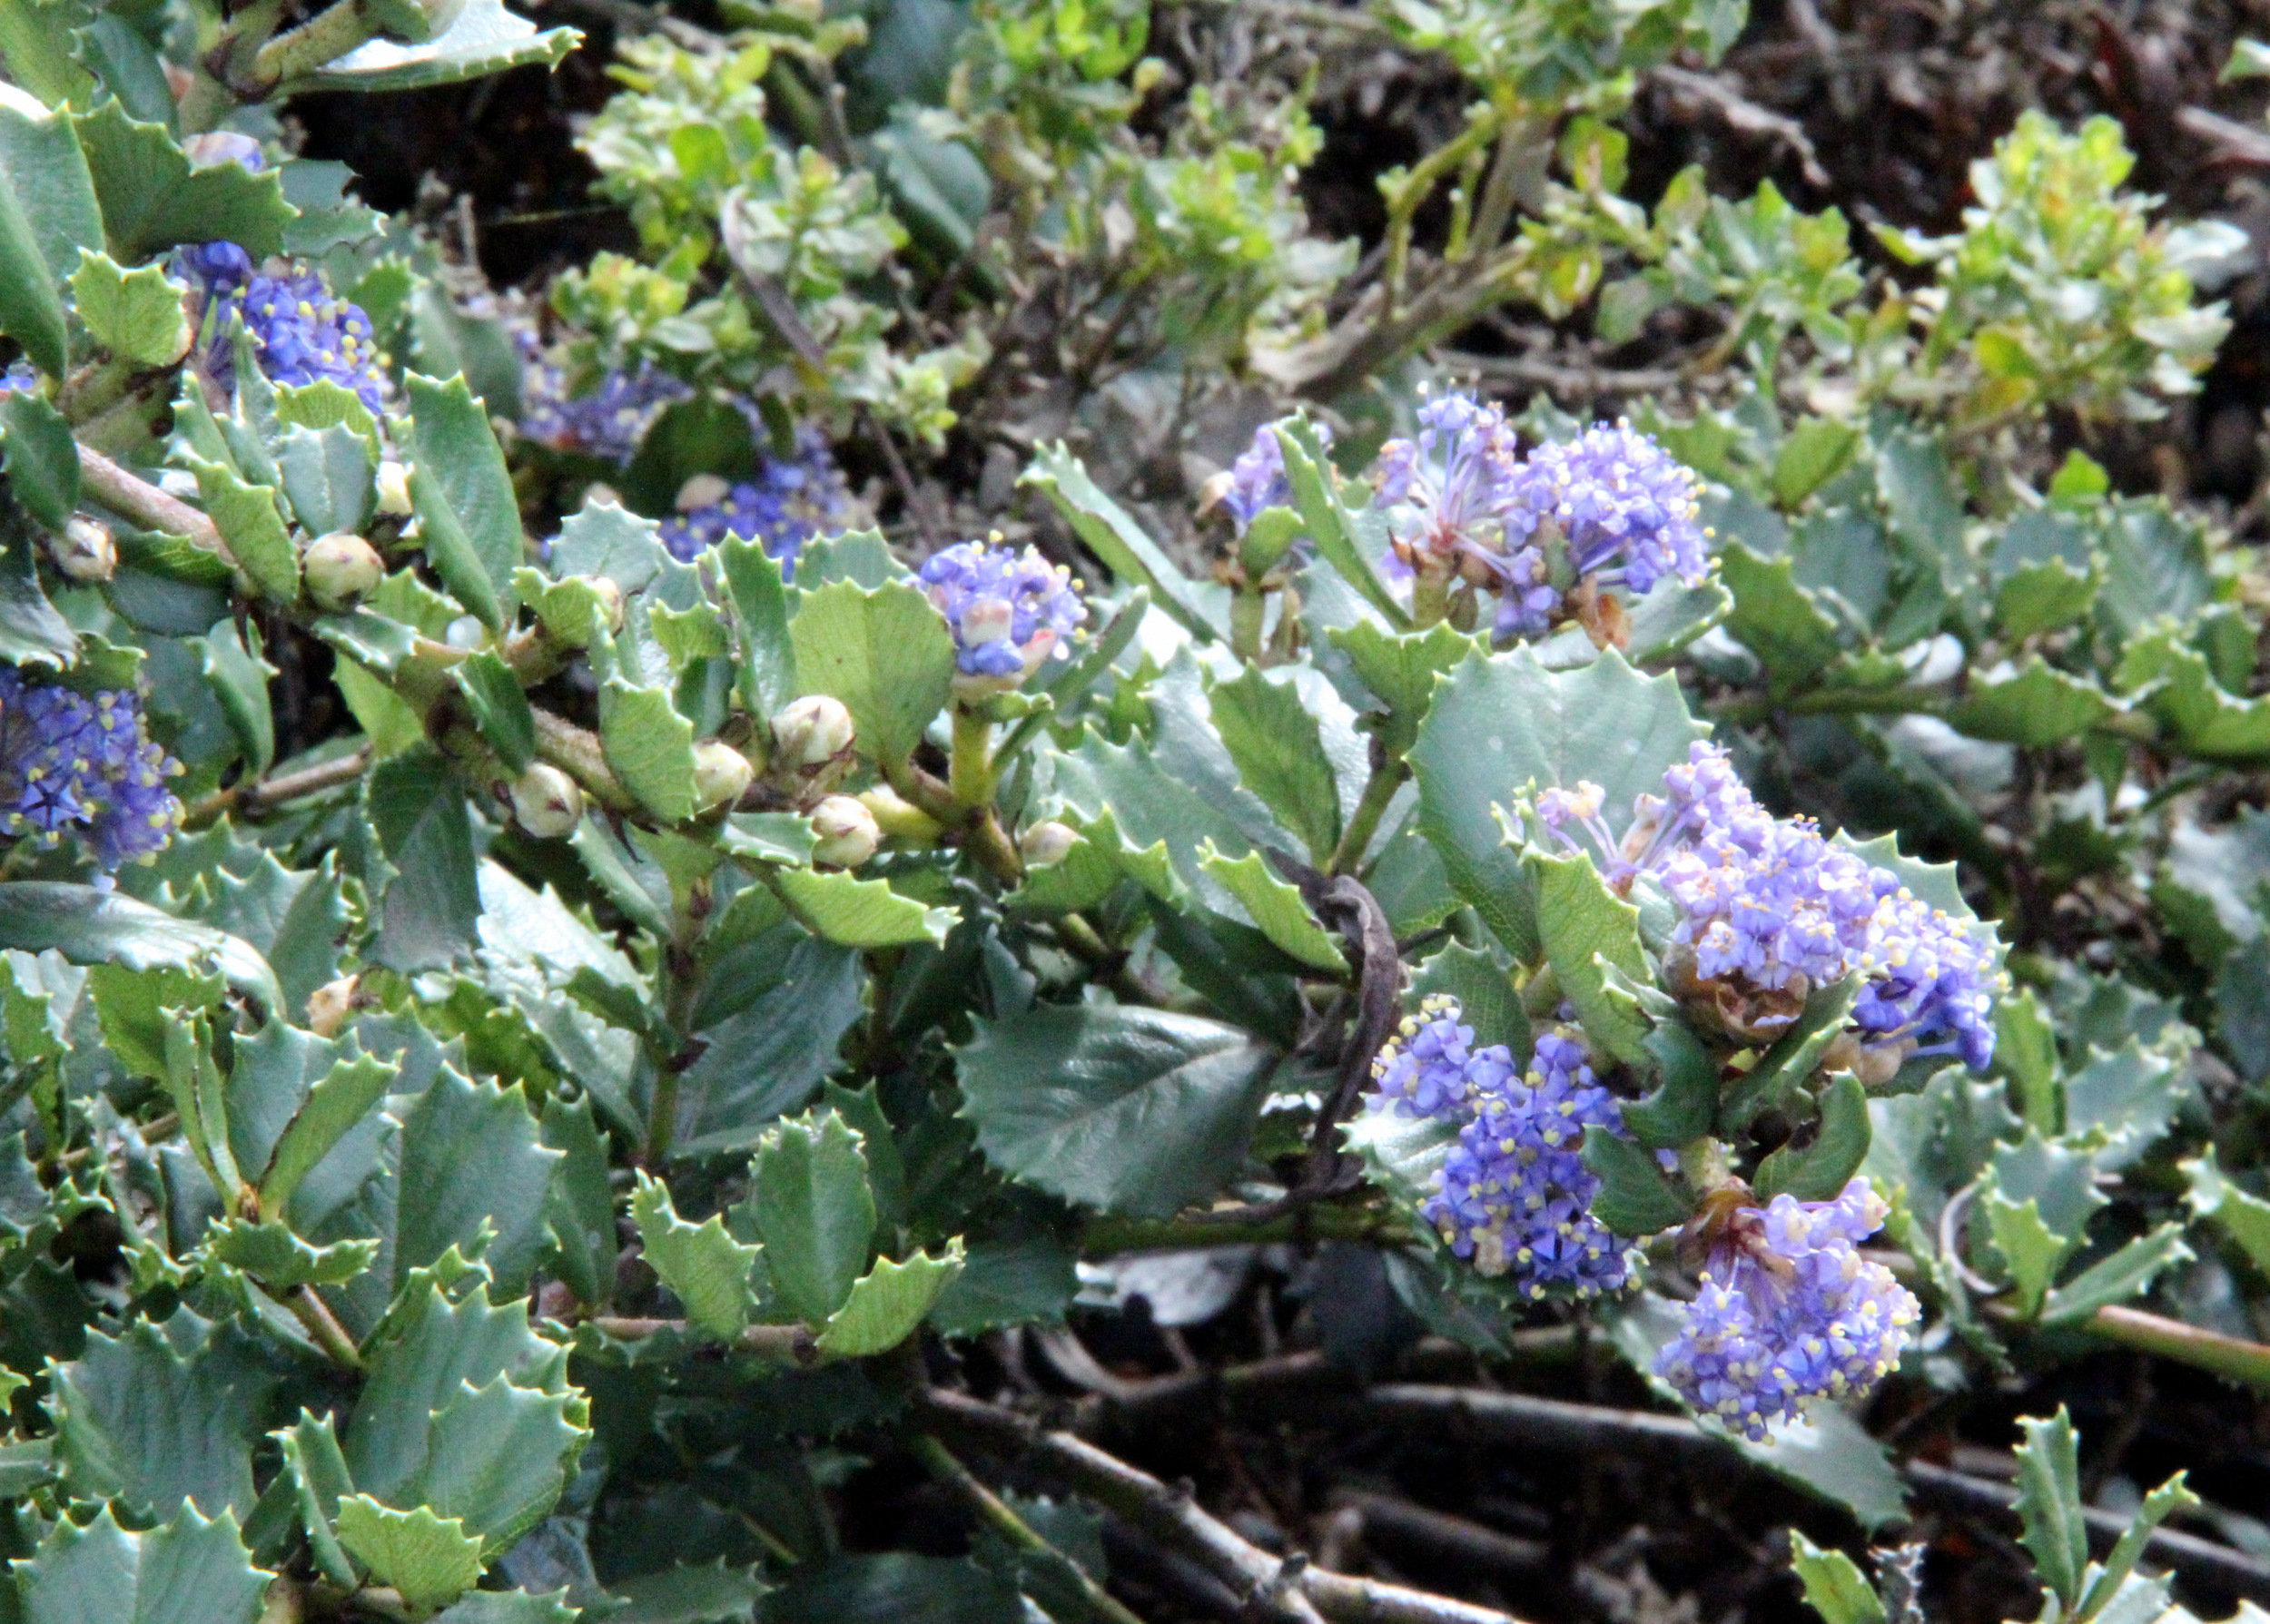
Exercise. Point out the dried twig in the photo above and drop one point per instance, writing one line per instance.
(1723, 95)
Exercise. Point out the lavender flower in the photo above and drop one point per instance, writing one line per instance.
(1256, 481)
(1009, 611)
(789, 502)
(1430, 1068)
(84, 767)
(1788, 1313)
(302, 332)
(1452, 487)
(1625, 510)
(608, 422)
(20, 375)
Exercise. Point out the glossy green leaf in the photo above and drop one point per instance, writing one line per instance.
(191, 1571)
(841, 908)
(1276, 907)
(1330, 523)
(428, 1560)
(2031, 1250)
(1273, 738)
(485, 39)
(1835, 1588)
(1819, 1171)
(766, 652)
(467, 510)
(279, 1260)
(136, 314)
(500, 708)
(1127, 551)
(429, 912)
(1634, 1198)
(2050, 1504)
(2037, 705)
(239, 679)
(42, 458)
(327, 476)
(1684, 1103)
(1588, 930)
(88, 926)
(152, 200)
(473, 1159)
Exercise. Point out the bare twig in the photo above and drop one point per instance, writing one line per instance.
(1561, 378)
(2234, 142)
(258, 794)
(1723, 94)
(1453, 1541)
(143, 504)
(1099, 1603)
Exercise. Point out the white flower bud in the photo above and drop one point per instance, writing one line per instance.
(330, 1004)
(1046, 843)
(810, 731)
(546, 803)
(84, 551)
(341, 569)
(722, 774)
(465, 632)
(393, 488)
(610, 600)
(848, 833)
(703, 490)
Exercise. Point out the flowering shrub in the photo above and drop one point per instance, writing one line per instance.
(588, 976)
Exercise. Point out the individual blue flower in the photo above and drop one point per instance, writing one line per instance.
(1789, 1314)
(1009, 611)
(84, 767)
(20, 375)
(790, 500)
(606, 422)
(1430, 1068)
(1625, 511)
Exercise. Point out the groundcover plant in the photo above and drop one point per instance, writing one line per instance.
(1093, 811)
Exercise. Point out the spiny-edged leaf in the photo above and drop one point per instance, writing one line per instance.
(1027, 1281)
(192, 1570)
(88, 926)
(2172, 681)
(2061, 1180)
(152, 200)
(318, 1478)
(687, 1594)
(1501, 723)
(911, 1590)
(327, 476)
(2244, 1217)
(1328, 520)
(499, 1457)
(1821, 1170)
(149, 1425)
(31, 308)
(2117, 1277)
(839, 907)
(136, 314)
(1276, 907)
(2031, 1249)
(1923, 501)
(707, 1268)
(1587, 930)
(33, 631)
(514, 1607)
(500, 708)
(239, 679)
(1127, 551)
(193, 1077)
(295, 918)
(341, 1099)
(2034, 707)
(1682, 1106)
(772, 1027)
(281, 1260)
(1487, 998)
(2026, 1051)
(1280, 754)
(1777, 619)
(486, 38)
(2123, 1101)
(1132, 1110)
(886, 653)
(888, 1302)
(36, 991)
(466, 511)
(809, 1200)
(1401, 669)
(766, 654)
(428, 1560)
(137, 1008)
(428, 914)
(2043, 596)
(2160, 1504)
(473, 1156)
(651, 748)
(1835, 1588)
(2050, 1503)
(246, 516)
(44, 165)
(1816, 449)
(324, 404)
(41, 458)
(581, 1212)
(1635, 1197)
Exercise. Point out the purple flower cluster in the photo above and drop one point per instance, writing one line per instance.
(1514, 1193)
(1009, 611)
(84, 767)
(1257, 479)
(20, 375)
(302, 332)
(1790, 1312)
(1610, 507)
(790, 501)
(1766, 903)
(608, 422)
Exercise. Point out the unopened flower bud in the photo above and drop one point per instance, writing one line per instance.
(546, 803)
(330, 1004)
(341, 569)
(722, 774)
(1046, 843)
(393, 488)
(465, 632)
(703, 490)
(848, 833)
(610, 601)
(84, 551)
(812, 730)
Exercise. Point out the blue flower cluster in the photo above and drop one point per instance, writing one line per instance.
(1514, 1193)
(1607, 509)
(302, 332)
(606, 423)
(1009, 611)
(1766, 904)
(790, 501)
(1256, 482)
(84, 767)
(1790, 1312)
(20, 375)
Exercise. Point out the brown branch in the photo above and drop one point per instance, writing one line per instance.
(147, 507)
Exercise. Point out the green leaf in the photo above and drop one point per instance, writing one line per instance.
(1835, 1588)
(2173, 683)
(500, 706)
(809, 1201)
(888, 1302)
(707, 1268)
(1127, 551)
(2160, 1504)
(1401, 669)
(852, 912)
(2029, 1248)
(328, 478)
(714, 1594)
(767, 655)
(1274, 740)
(472, 1158)
(192, 1570)
(32, 631)
(1821, 1169)
(1777, 619)
(1814, 453)
(319, 1478)
(1684, 1106)
(581, 1212)
(246, 516)
(281, 1260)
(239, 678)
(886, 653)
(97, 927)
(1275, 907)
(2026, 1051)
(329, 217)
(151, 1427)
(1793, 1056)
(1137, 1111)
(428, 912)
(1027, 1281)
(1330, 523)
(1923, 502)
(136, 314)
(651, 748)
(42, 458)
(429, 1559)
(1588, 930)
(1635, 1197)
(2117, 1277)
(466, 511)
(1502, 722)
(31, 310)
(2244, 1217)
(2050, 1503)
(1487, 998)
(771, 1018)
(152, 200)
(2043, 596)
(485, 39)
(2037, 706)
(340, 1100)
